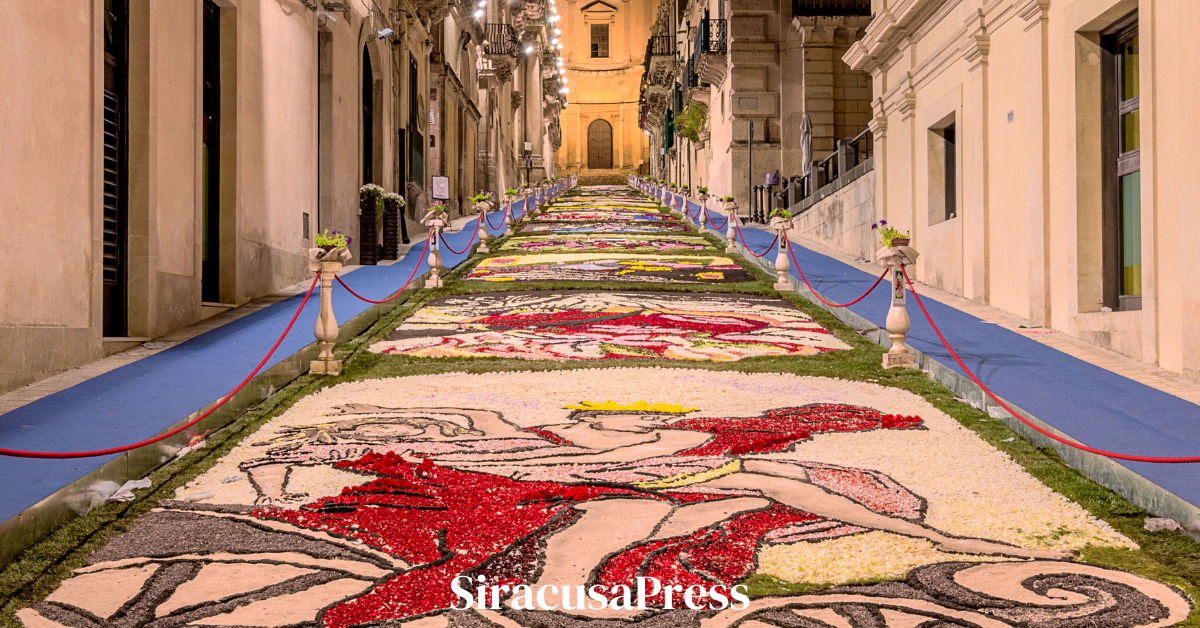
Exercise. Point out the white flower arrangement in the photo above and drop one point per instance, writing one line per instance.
(370, 190)
(393, 197)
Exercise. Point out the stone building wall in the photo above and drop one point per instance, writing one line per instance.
(1035, 220)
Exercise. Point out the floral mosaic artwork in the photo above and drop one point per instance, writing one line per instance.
(604, 227)
(626, 268)
(366, 503)
(610, 205)
(608, 326)
(626, 244)
(603, 214)
(363, 502)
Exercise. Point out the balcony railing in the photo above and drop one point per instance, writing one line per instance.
(711, 36)
(501, 40)
(657, 46)
(831, 8)
(850, 161)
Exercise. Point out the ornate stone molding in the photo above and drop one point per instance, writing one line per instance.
(975, 48)
(432, 10)
(517, 99)
(1034, 12)
(712, 67)
(878, 123)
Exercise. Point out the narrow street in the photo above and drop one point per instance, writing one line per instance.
(607, 401)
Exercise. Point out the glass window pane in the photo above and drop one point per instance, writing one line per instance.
(1131, 138)
(1129, 68)
(1131, 234)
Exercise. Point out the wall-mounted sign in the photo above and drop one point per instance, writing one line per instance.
(528, 146)
(431, 120)
(441, 188)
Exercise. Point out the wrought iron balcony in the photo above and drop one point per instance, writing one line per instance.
(711, 37)
(501, 40)
(709, 54)
(831, 8)
(659, 63)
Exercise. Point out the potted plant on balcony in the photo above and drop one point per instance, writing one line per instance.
(890, 237)
(692, 121)
(369, 197)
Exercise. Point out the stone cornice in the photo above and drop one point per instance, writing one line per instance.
(1034, 12)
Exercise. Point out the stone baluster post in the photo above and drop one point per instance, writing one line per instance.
(782, 262)
(329, 264)
(482, 228)
(731, 226)
(898, 322)
(435, 259)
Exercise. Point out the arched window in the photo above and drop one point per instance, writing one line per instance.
(599, 145)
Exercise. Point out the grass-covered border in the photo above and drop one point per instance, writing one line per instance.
(1166, 556)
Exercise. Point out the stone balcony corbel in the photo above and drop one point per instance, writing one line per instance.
(431, 10)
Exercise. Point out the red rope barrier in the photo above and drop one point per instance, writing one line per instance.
(1108, 454)
(396, 293)
(502, 216)
(818, 295)
(710, 220)
(474, 234)
(116, 450)
(738, 228)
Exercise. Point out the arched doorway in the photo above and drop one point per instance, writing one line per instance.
(599, 145)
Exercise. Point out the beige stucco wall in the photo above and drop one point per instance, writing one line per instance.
(1027, 237)
(50, 139)
(50, 170)
(843, 220)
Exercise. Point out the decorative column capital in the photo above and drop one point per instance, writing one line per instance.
(975, 49)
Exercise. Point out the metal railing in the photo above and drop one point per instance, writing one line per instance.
(858, 149)
(657, 46)
(841, 163)
(501, 40)
(830, 8)
(710, 38)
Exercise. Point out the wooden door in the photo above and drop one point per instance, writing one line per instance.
(599, 143)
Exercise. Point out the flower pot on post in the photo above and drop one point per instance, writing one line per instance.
(731, 225)
(781, 224)
(898, 323)
(328, 260)
(393, 204)
(435, 219)
(369, 196)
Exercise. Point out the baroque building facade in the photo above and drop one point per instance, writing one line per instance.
(603, 63)
(1036, 150)
(749, 72)
(185, 153)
